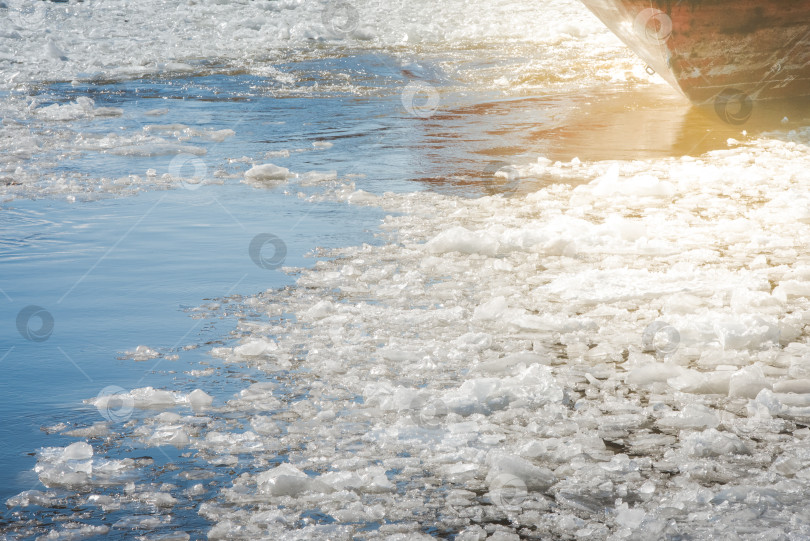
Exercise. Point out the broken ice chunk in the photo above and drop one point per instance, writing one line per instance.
(536, 478)
(747, 382)
(256, 347)
(712, 442)
(491, 310)
(460, 239)
(78, 451)
(287, 480)
(692, 416)
(142, 353)
(199, 399)
(267, 172)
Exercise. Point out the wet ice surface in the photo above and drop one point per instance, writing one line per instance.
(605, 348)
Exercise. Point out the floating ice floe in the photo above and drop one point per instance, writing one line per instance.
(83, 107)
(75, 466)
(148, 397)
(267, 173)
(142, 353)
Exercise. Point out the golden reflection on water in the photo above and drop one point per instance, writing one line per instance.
(460, 144)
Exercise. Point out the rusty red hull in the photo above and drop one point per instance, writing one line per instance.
(710, 50)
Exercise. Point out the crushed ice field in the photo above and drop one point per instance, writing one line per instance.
(610, 349)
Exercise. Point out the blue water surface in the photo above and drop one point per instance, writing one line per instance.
(100, 277)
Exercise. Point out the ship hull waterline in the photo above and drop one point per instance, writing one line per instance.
(725, 54)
